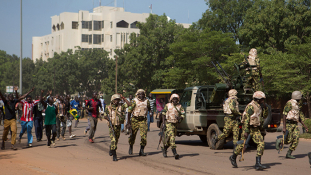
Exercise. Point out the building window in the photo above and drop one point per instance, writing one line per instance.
(90, 39)
(57, 26)
(90, 25)
(110, 38)
(133, 25)
(111, 24)
(54, 28)
(102, 24)
(62, 26)
(74, 25)
(97, 25)
(85, 24)
(110, 51)
(96, 38)
(103, 38)
(85, 38)
(122, 24)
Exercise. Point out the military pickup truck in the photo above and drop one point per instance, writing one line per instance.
(204, 109)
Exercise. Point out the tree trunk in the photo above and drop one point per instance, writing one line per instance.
(309, 106)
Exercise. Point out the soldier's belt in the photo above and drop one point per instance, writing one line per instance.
(140, 118)
(291, 122)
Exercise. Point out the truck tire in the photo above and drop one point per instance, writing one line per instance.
(269, 117)
(213, 130)
(203, 138)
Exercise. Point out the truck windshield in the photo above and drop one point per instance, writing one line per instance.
(186, 99)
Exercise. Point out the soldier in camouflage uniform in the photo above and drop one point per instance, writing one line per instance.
(291, 115)
(231, 110)
(253, 72)
(115, 113)
(140, 105)
(173, 113)
(252, 119)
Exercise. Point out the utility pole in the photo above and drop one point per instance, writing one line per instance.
(116, 74)
(20, 66)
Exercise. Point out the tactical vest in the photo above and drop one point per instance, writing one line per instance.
(252, 63)
(293, 114)
(115, 120)
(141, 108)
(172, 113)
(255, 118)
(226, 107)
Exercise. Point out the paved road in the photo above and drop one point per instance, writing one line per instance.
(78, 156)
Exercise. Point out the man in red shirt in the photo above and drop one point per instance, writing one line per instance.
(93, 106)
(27, 118)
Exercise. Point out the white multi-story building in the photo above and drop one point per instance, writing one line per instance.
(106, 28)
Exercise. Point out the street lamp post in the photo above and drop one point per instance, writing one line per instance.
(116, 75)
(20, 64)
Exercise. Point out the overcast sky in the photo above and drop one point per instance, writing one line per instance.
(37, 16)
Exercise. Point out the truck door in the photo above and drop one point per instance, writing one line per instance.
(185, 101)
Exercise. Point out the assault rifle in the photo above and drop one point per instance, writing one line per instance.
(162, 132)
(245, 144)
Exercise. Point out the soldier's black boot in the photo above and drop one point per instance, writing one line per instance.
(141, 152)
(175, 153)
(289, 155)
(164, 150)
(110, 151)
(233, 160)
(131, 150)
(114, 153)
(258, 165)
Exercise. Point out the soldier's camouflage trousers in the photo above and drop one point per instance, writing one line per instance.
(230, 126)
(141, 124)
(253, 81)
(257, 138)
(293, 135)
(171, 131)
(114, 140)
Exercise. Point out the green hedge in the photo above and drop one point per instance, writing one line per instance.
(308, 124)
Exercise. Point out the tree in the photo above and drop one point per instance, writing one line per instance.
(192, 54)
(225, 15)
(142, 61)
(276, 23)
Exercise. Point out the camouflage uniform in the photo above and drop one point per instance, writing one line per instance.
(254, 131)
(116, 122)
(138, 122)
(252, 65)
(171, 125)
(231, 121)
(292, 126)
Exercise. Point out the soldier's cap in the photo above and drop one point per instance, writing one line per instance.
(259, 95)
(115, 96)
(140, 90)
(174, 96)
(232, 92)
(296, 95)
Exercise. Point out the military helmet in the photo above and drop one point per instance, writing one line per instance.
(296, 95)
(259, 95)
(115, 96)
(253, 52)
(174, 96)
(140, 90)
(232, 92)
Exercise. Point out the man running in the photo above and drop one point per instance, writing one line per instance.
(93, 106)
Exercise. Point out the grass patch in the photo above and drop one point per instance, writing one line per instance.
(305, 135)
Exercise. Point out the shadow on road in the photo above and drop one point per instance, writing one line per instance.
(137, 155)
(6, 156)
(191, 142)
(268, 165)
(188, 155)
(297, 156)
(62, 146)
